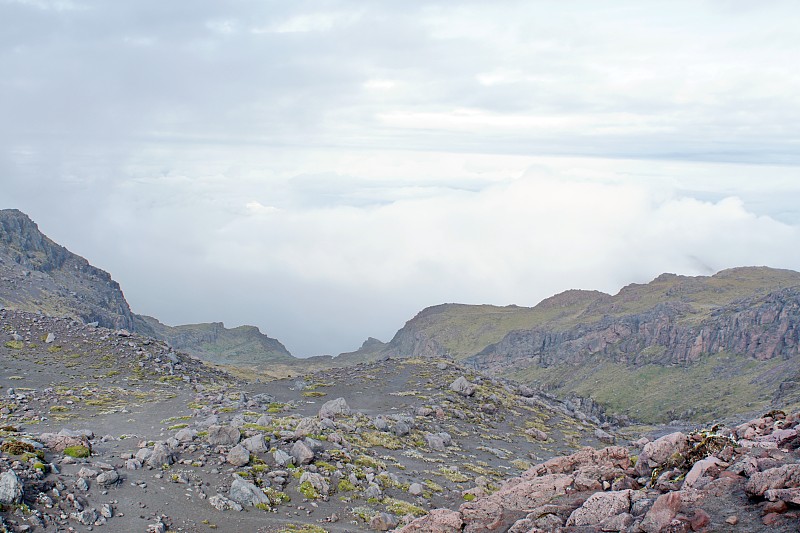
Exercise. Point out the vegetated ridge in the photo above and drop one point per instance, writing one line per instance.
(678, 347)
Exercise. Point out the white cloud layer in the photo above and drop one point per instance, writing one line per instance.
(325, 170)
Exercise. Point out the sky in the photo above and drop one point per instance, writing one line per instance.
(326, 169)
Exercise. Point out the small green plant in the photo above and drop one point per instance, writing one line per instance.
(78, 452)
(15, 345)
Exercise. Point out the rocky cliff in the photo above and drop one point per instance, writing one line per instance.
(243, 345)
(38, 275)
(696, 347)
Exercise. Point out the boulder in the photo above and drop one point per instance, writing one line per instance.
(108, 478)
(11, 490)
(246, 493)
(301, 453)
(658, 452)
(255, 444)
(463, 387)
(437, 521)
(600, 506)
(334, 408)
(223, 435)
(383, 522)
(238, 456)
(786, 476)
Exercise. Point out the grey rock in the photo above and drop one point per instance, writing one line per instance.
(221, 503)
(238, 456)
(223, 435)
(108, 478)
(106, 510)
(246, 493)
(401, 429)
(11, 490)
(383, 522)
(282, 458)
(302, 454)
(416, 489)
(162, 455)
(185, 435)
(264, 420)
(463, 387)
(255, 444)
(334, 408)
(50, 338)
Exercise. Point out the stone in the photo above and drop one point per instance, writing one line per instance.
(255, 444)
(185, 435)
(246, 493)
(282, 458)
(58, 442)
(334, 408)
(307, 426)
(221, 503)
(108, 478)
(463, 387)
(238, 456)
(435, 442)
(223, 435)
(699, 470)
(621, 522)
(383, 522)
(316, 481)
(50, 338)
(301, 453)
(11, 489)
(784, 495)
(437, 521)
(600, 506)
(536, 434)
(657, 453)
(160, 456)
(416, 489)
(662, 512)
(786, 476)
(401, 429)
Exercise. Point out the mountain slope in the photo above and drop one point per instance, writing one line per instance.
(243, 345)
(38, 275)
(700, 347)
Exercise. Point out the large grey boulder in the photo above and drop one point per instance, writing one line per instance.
(463, 387)
(223, 435)
(246, 493)
(334, 408)
(238, 456)
(302, 454)
(11, 489)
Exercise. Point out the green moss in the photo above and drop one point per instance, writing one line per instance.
(308, 491)
(402, 508)
(345, 486)
(178, 426)
(78, 452)
(469, 497)
(15, 345)
(313, 394)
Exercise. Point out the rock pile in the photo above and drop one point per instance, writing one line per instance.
(748, 476)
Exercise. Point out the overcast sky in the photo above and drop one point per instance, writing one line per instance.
(326, 169)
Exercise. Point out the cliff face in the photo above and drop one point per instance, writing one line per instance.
(761, 327)
(244, 345)
(38, 275)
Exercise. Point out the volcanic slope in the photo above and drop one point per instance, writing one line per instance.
(175, 441)
(39, 275)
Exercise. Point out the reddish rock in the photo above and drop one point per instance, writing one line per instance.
(600, 506)
(662, 512)
(512, 502)
(700, 469)
(786, 476)
(657, 453)
(437, 521)
(775, 507)
(771, 519)
(732, 520)
(784, 495)
(58, 443)
(699, 520)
